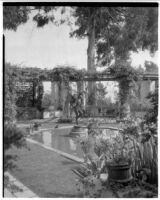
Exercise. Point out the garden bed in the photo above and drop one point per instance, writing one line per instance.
(134, 189)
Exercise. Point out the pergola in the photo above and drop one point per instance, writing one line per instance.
(30, 74)
(56, 75)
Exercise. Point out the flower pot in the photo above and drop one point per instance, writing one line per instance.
(119, 172)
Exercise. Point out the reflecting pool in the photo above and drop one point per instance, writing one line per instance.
(61, 139)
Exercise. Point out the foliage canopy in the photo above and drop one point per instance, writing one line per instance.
(117, 30)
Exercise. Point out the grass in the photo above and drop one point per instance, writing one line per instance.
(44, 172)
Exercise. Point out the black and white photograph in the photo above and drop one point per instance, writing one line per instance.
(80, 99)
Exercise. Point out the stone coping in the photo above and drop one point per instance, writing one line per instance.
(62, 153)
(25, 193)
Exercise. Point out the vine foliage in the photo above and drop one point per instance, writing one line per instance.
(12, 136)
(127, 77)
(122, 72)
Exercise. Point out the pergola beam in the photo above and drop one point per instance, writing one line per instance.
(152, 77)
(44, 75)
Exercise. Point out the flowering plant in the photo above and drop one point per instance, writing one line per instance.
(115, 150)
(131, 127)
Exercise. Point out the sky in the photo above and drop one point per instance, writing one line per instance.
(44, 47)
(50, 46)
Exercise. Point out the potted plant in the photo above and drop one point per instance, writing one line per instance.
(119, 164)
(118, 154)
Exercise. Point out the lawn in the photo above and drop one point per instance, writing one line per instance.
(45, 172)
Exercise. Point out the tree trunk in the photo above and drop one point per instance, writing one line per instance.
(124, 102)
(34, 94)
(59, 95)
(91, 58)
(66, 101)
(76, 120)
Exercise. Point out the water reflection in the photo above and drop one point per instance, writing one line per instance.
(73, 145)
(47, 138)
(62, 140)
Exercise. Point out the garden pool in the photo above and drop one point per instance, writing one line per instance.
(61, 139)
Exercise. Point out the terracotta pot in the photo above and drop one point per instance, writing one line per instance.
(119, 173)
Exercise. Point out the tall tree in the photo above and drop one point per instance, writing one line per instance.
(13, 16)
(112, 31)
(90, 23)
(138, 32)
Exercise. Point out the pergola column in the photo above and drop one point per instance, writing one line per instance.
(144, 89)
(55, 94)
(64, 95)
(124, 100)
(59, 96)
(34, 85)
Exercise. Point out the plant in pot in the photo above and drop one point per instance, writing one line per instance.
(118, 153)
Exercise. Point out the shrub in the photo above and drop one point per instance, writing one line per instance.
(13, 136)
(152, 114)
(10, 95)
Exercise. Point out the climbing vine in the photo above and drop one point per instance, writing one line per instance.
(10, 96)
(39, 98)
(65, 74)
(127, 77)
(123, 73)
(12, 135)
